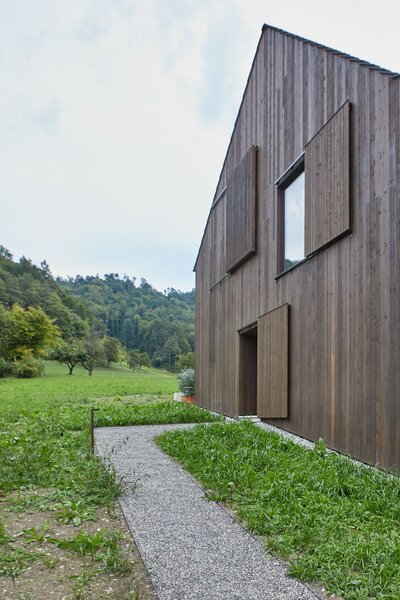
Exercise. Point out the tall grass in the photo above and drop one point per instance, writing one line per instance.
(335, 521)
(45, 443)
(44, 425)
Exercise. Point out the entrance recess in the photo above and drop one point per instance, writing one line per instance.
(248, 372)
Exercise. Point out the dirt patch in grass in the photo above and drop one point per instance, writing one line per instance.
(41, 557)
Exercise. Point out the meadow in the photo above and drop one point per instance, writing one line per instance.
(55, 495)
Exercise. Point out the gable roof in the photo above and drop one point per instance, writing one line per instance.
(266, 27)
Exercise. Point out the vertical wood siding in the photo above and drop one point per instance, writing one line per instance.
(241, 213)
(327, 185)
(344, 335)
(273, 357)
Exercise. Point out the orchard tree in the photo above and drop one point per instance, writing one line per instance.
(137, 359)
(70, 354)
(112, 349)
(93, 352)
(133, 359)
(144, 360)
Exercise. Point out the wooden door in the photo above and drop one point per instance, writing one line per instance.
(273, 364)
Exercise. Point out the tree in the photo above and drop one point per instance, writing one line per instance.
(5, 327)
(133, 359)
(28, 330)
(185, 361)
(112, 349)
(70, 324)
(93, 355)
(144, 360)
(70, 354)
(128, 334)
(171, 350)
(137, 359)
(145, 286)
(4, 253)
(45, 269)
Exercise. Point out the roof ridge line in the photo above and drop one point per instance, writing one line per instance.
(361, 61)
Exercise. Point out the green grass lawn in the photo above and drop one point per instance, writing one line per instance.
(56, 387)
(45, 458)
(335, 521)
(44, 424)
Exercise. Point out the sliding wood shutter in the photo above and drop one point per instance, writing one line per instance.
(241, 211)
(327, 186)
(273, 364)
(212, 324)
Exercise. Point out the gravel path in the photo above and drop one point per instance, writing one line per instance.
(192, 548)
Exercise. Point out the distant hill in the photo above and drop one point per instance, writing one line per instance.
(161, 324)
(24, 283)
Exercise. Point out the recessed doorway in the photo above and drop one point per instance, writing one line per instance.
(248, 372)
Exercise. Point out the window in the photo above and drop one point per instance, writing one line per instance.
(293, 199)
(291, 216)
(313, 194)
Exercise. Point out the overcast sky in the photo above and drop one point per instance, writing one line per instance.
(115, 117)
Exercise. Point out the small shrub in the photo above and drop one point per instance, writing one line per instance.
(186, 381)
(28, 367)
(6, 367)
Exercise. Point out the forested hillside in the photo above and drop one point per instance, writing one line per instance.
(161, 324)
(26, 284)
(142, 318)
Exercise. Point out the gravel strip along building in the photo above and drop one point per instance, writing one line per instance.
(192, 548)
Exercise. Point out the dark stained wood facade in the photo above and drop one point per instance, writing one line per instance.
(327, 183)
(343, 327)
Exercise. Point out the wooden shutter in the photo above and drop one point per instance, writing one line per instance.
(273, 364)
(212, 325)
(327, 187)
(241, 211)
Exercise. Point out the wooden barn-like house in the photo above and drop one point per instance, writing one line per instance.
(298, 272)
